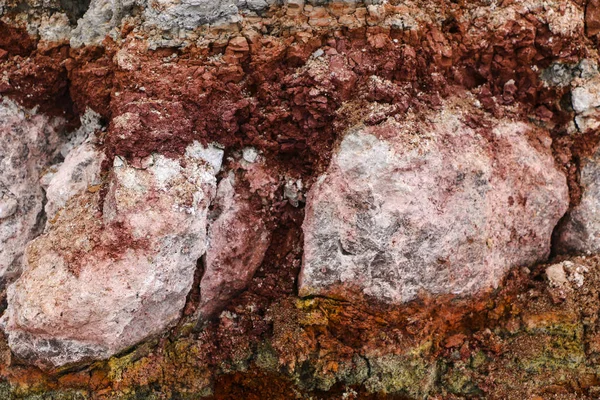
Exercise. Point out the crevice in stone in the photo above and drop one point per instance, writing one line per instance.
(75, 9)
(554, 239)
(190, 311)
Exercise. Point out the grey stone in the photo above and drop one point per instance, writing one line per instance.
(29, 143)
(580, 230)
(409, 209)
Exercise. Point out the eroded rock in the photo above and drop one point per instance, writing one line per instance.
(81, 169)
(405, 209)
(580, 230)
(29, 143)
(103, 16)
(238, 239)
(98, 282)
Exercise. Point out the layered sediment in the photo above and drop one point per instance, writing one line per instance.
(290, 199)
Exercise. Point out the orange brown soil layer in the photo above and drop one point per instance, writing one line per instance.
(528, 339)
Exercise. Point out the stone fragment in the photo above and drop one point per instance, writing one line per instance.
(29, 143)
(293, 191)
(238, 43)
(585, 93)
(238, 241)
(410, 207)
(587, 96)
(585, 99)
(97, 282)
(250, 154)
(566, 275)
(557, 277)
(579, 232)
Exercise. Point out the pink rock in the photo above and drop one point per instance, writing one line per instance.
(430, 207)
(28, 145)
(80, 171)
(97, 283)
(238, 241)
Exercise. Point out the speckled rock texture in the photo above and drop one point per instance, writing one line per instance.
(80, 169)
(98, 281)
(29, 144)
(434, 207)
(307, 199)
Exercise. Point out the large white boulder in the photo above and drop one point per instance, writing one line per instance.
(430, 206)
(115, 267)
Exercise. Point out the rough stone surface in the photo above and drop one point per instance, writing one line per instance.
(238, 240)
(80, 170)
(580, 230)
(99, 20)
(99, 282)
(586, 102)
(592, 17)
(29, 143)
(444, 209)
(104, 16)
(277, 85)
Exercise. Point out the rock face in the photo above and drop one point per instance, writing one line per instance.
(405, 209)
(580, 231)
(164, 16)
(586, 103)
(80, 169)
(239, 239)
(111, 272)
(29, 143)
(421, 130)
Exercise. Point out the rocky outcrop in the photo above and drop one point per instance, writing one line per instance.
(29, 144)
(114, 268)
(431, 208)
(391, 174)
